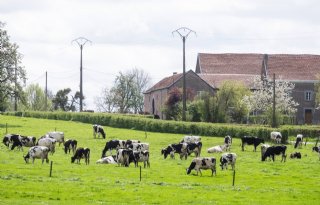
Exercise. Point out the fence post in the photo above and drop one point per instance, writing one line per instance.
(51, 168)
(140, 173)
(234, 176)
(6, 128)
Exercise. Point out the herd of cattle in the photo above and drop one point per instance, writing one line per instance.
(134, 151)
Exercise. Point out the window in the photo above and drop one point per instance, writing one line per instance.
(307, 96)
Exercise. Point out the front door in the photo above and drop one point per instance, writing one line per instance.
(308, 116)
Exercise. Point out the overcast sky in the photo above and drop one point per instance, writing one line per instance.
(138, 34)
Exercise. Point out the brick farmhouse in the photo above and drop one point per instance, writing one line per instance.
(212, 69)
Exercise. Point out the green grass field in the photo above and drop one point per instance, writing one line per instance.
(166, 182)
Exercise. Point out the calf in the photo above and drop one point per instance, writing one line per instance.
(251, 141)
(228, 158)
(139, 147)
(276, 137)
(81, 153)
(295, 155)
(191, 139)
(217, 149)
(37, 152)
(228, 142)
(142, 156)
(98, 129)
(48, 142)
(70, 145)
(124, 157)
(194, 147)
(112, 144)
(180, 148)
(264, 148)
(299, 140)
(275, 150)
(203, 163)
(58, 136)
(107, 160)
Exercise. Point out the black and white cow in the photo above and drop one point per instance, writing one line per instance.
(228, 142)
(299, 140)
(58, 136)
(13, 139)
(190, 139)
(81, 153)
(142, 156)
(276, 137)
(264, 148)
(295, 155)
(180, 148)
(28, 141)
(251, 141)
(48, 142)
(98, 129)
(194, 148)
(113, 144)
(37, 152)
(139, 147)
(275, 150)
(316, 149)
(69, 145)
(124, 157)
(7, 139)
(130, 142)
(107, 160)
(228, 158)
(202, 163)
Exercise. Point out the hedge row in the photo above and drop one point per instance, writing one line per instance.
(154, 125)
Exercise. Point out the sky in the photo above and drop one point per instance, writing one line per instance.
(138, 34)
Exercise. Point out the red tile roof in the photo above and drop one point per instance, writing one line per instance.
(165, 83)
(216, 80)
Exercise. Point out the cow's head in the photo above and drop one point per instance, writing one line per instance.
(6, 141)
(73, 159)
(26, 158)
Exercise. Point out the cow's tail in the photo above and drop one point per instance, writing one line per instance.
(191, 167)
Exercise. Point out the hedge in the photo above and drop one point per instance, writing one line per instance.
(155, 125)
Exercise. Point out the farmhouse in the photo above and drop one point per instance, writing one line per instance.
(212, 69)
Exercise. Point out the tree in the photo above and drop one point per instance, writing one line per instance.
(106, 102)
(35, 98)
(173, 109)
(61, 100)
(317, 92)
(12, 74)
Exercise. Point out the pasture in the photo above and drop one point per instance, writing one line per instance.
(165, 182)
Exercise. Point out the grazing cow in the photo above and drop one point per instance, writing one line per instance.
(228, 158)
(113, 144)
(299, 140)
(37, 152)
(70, 145)
(203, 163)
(217, 149)
(316, 149)
(81, 153)
(129, 142)
(7, 139)
(194, 147)
(276, 137)
(58, 136)
(275, 150)
(180, 148)
(295, 155)
(191, 139)
(107, 160)
(251, 141)
(124, 157)
(228, 142)
(48, 142)
(142, 156)
(139, 147)
(28, 141)
(264, 148)
(16, 142)
(98, 129)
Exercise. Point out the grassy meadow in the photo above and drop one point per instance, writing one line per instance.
(165, 182)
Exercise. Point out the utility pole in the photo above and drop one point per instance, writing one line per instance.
(15, 84)
(46, 93)
(81, 41)
(184, 33)
(274, 124)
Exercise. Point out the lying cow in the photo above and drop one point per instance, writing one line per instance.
(81, 153)
(295, 155)
(191, 139)
(203, 163)
(98, 129)
(217, 148)
(228, 142)
(69, 145)
(113, 144)
(142, 156)
(299, 140)
(251, 141)
(275, 150)
(37, 152)
(276, 137)
(180, 148)
(228, 158)
(48, 142)
(107, 160)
